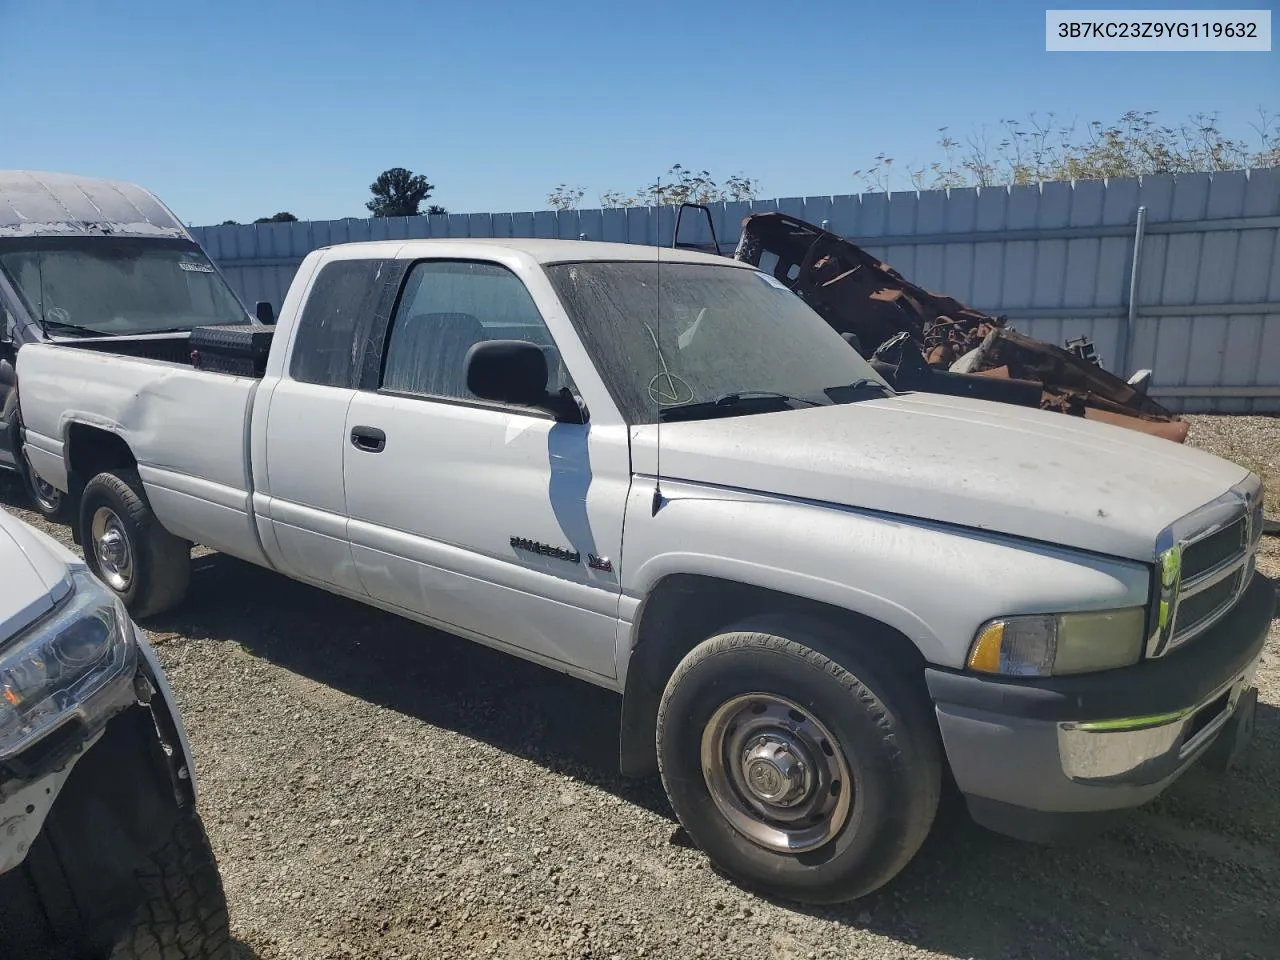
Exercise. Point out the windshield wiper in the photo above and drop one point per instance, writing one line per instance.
(58, 326)
(863, 383)
(726, 401)
(740, 395)
(858, 386)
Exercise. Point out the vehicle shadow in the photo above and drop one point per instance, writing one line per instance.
(564, 724)
(1193, 875)
(242, 951)
(15, 499)
(12, 494)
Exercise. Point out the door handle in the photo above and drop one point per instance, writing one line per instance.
(368, 439)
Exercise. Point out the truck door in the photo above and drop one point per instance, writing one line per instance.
(302, 496)
(495, 520)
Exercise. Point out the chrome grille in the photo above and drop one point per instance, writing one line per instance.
(1217, 544)
(1195, 610)
(1217, 548)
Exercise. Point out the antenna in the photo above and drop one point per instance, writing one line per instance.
(657, 342)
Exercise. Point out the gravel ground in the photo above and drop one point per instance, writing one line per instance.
(375, 789)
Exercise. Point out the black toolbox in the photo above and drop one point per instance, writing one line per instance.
(238, 349)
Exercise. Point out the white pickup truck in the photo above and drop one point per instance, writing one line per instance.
(663, 473)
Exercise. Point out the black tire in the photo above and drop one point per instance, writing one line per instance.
(882, 728)
(184, 912)
(160, 563)
(180, 914)
(49, 502)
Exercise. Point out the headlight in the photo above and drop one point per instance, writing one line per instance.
(1046, 645)
(58, 663)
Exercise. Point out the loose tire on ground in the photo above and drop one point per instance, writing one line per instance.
(884, 736)
(154, 571)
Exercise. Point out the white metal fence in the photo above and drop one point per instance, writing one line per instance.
(1057, 259)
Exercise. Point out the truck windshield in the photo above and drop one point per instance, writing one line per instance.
(116, 286)
(729, 341)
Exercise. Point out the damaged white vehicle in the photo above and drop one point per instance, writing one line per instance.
(816, 594)
(102, 853)
(90, 260)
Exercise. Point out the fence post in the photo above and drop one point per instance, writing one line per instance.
(1126, 335)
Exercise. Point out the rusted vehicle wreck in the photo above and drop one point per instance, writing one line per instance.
(925, 341)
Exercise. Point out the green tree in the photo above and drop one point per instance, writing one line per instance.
(398, 193)
(284, 216)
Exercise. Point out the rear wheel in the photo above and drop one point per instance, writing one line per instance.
(803, 767)
(128, 548)
(49, 501)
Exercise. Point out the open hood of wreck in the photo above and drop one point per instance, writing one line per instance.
(887, 317)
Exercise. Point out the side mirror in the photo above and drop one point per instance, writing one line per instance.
(265, 313)
(515, 372)
(507, 371)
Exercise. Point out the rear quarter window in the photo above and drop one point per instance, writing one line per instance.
(332, 329)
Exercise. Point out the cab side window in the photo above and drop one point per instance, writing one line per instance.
(448, 306)
(327, 347)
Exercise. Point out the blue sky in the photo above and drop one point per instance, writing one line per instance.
(238, 109)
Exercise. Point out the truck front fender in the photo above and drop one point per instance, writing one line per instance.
(934, 583)
(169, 720)
(708, 558)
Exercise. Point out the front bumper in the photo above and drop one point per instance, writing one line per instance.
(1032, 756)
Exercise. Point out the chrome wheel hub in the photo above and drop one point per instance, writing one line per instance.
(776, 773)
(48, 495)
(776, 770)
(111, 548)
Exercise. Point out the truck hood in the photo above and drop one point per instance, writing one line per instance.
(988, 466)
(30, 569)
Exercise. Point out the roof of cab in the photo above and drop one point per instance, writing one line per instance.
(40, 204)
(546, 251)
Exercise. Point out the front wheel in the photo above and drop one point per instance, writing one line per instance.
(53, 910)
(803, 767)
(184, 911)
(128, 549)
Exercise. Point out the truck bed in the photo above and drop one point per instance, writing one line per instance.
(235, 349)
(170, 347)
(188, 430)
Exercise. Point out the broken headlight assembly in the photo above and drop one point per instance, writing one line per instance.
(1049, 645)
(57, 667)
